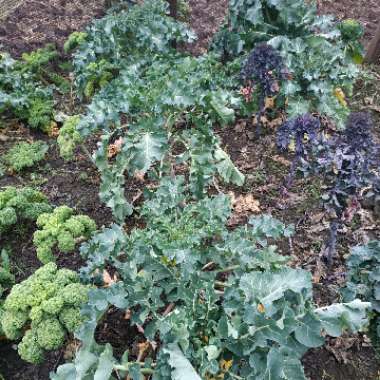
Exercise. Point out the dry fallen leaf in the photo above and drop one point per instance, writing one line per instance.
(107, 279)
(245, 203)
(53, 130)
(115, 148)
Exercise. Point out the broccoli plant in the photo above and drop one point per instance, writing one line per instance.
(348, 164)
(363, 281)
(265, 69)
(303, 131)
(19, 206)
(352, 31)
(346, 161)
(25, 155)
(43, 310)
(63, 229)
(69, 138)
(204, 295)
(314, 49)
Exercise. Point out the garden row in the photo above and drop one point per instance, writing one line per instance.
(211, 302)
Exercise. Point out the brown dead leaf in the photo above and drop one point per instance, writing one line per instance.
(53, 130)
(281, 160)
(115, 148)
(139, 175)
(244, 203)
(108, 280)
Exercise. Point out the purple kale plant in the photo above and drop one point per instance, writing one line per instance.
(348, 163)
(304, 130)
(265, 69)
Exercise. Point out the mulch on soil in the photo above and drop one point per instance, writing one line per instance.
(35, 23)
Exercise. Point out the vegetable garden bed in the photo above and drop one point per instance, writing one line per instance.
(235, 148)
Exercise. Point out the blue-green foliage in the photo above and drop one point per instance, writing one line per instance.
(314, 51)
(363, 281)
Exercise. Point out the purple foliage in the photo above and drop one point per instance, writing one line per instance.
(304, 130)
(265, 67)
(358, 132)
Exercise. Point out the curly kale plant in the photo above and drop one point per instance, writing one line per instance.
(26, 155)
(22, 93)
(7, 279)
(303, 131)
(63, 229)
(205, 295)
(314, 49)
(69, 138)
(363, 281)
(42, 310)
(20, 206)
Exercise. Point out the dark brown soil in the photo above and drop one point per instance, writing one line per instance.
(35, 23)
(366, 11)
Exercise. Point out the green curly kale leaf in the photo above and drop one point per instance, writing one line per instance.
(75, 39)
(63, 229)
(48, 304)
(22, 92)
(25, 155)
(18, 206)
(69, 138)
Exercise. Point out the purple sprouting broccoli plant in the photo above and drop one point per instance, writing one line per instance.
(348, 164)
(265, 69)
(305, 131)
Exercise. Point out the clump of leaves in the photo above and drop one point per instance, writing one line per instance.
(7, 279)
(19, 206)
(314, 51)
(352, 31)
(347, 162)
(300, 135)
(205, 295)
(265, 69)
(69, 137)
(22, 92)
(26, 155)
(75, 39)
(63, 229)
(43, 310)
(363, 281)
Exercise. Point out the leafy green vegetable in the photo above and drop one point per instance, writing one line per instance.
(19, 206)
(63, 229)
(213, 295)
(22, 92)
(315, 51)
(363, 281)
(69, 138)
(49, 301)
(26, 155)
